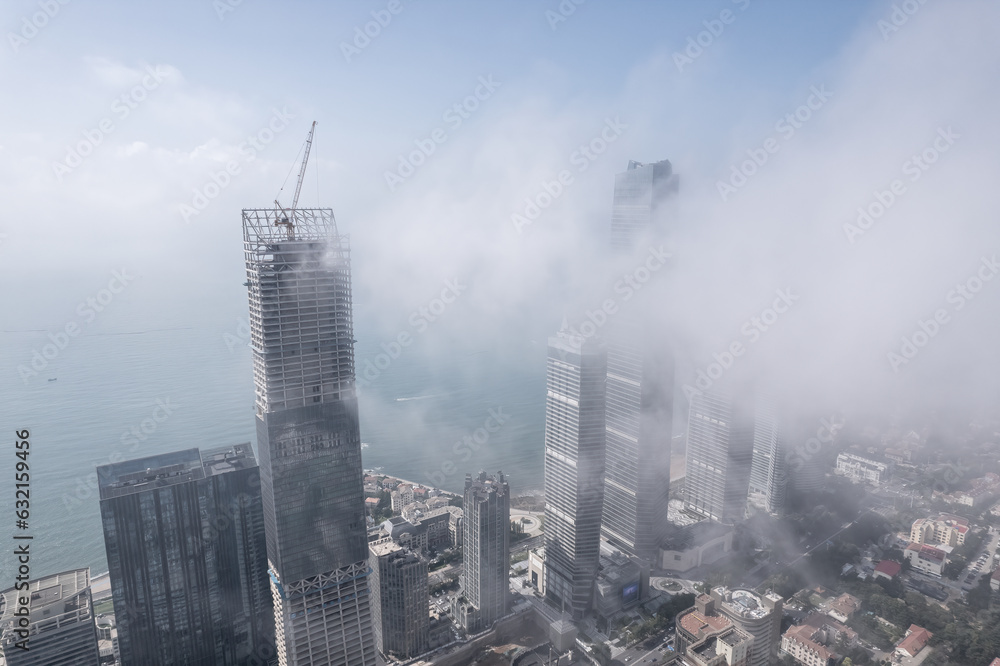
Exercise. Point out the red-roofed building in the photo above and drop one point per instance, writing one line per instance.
(801, 642)
(914, 641)
(926, 558)
(995, 662)
(843, 607)
(887, 569)
(371, 503)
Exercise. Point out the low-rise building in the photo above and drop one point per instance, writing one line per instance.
(995, 580)
(863, 470)
(927, 559)
(536, 568)
(622, 582)
(843, 607)
(695, 545)
(913, 642)
(801, 644)
(887, 569)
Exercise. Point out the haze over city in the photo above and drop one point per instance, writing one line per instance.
(817, 245)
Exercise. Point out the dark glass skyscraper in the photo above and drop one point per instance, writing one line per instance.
(299, 283)
(640, 379)
(184, 535)
(574, 469)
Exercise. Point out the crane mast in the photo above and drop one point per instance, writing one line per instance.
(287, 217)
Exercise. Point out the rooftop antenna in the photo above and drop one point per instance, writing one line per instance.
(286, 217)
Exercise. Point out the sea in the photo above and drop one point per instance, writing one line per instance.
(127, 390)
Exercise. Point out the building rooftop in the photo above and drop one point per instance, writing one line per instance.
(159, 471)
(916, 639)
(228, 458)
(890, 568)
(803, 634)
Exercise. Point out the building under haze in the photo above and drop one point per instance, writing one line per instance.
(299, 283)
(59, 627)
(720, 445)
(640, 375)
(485, 554)
(768, 471)
(184, 534)
(757, 615)
(400, 594)
(574, 469)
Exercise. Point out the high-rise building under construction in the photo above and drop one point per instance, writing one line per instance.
(308, 437)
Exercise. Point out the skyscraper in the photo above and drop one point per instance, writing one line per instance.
(400, 593)
(184, 536)
(640, 379)
(574, 469)
(720, 445)
(299, 283)
(486, 553)
(769, 468)
(58, 629)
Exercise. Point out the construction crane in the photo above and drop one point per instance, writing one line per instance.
(286, 217)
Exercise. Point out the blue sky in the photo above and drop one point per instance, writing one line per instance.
(224, 78)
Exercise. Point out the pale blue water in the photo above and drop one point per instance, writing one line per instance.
(109, 382)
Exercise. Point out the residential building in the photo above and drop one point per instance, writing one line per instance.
(801, 643)
(757, 615)
(843, 607)
(927, 559)
(57, 625)
(862, 470)
(185, 540)
(574, 469)
(484, 596)
(945, 530)
(399, 591)
(308, 437)
(913, 642)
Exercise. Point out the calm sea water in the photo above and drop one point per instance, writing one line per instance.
(109, 383)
